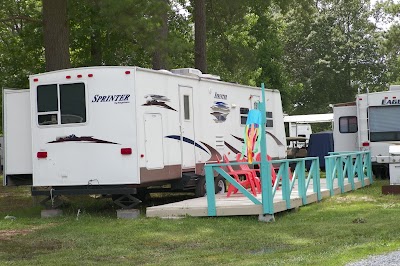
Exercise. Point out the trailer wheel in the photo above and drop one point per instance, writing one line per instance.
(200, 190)
(219, 184)
(385, 172)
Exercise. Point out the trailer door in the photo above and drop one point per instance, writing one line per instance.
(345, 128)
(153, 129)
(187, 127)
(17, 137)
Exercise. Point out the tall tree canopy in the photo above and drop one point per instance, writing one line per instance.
(332, 50)
(314, 52)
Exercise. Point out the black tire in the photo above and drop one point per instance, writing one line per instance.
(219, 184)
(200, 190)
(385, 172)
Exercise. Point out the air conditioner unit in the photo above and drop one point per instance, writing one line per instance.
(187, 72)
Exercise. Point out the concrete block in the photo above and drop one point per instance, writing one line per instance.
(128, 213)
(267, 218)
(51, 213)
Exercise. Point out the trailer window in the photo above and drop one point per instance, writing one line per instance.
(348, 124)
(61, 104)
(384, 123)
(72, 103)
(269, 119)
(243, 115)
(47, 99)
(186, 107)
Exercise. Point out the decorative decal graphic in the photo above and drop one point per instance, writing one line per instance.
(187, 140)
(220, 111)
(231, 148)
(239, 139)
(87, 139)
(219, 117)
(220, 106)
(157, 100)
(215, 155)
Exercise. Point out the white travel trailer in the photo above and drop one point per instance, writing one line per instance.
(113, 130)
(372, 123)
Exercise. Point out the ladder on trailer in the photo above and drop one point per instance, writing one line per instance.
(362, 104)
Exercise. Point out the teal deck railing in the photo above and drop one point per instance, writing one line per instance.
(339, 165)
(284, 180)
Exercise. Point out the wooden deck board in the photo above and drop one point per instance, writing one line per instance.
(238, 204)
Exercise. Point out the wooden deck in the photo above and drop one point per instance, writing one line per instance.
(238, 204)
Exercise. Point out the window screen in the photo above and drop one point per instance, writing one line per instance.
(72, 103)
(47, 99)
(384, 123)
(348, 124)
(186, 106)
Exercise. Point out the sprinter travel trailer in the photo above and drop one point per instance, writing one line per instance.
(114, 130)
(372, 123)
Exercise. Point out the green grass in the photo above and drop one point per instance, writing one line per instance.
(333, 232)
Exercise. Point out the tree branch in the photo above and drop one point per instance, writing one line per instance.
(13, 18)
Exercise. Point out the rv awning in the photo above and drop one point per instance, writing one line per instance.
(307, 119)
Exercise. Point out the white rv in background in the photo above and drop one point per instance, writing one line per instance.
(111, 129)
(298, 131)
(372, 123)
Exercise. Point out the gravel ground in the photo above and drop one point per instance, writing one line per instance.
(389, 259)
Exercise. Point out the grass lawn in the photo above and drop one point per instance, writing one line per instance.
(333, 232)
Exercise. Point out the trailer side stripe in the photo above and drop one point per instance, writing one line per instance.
(187, 140)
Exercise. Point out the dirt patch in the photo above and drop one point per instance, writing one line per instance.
(8, 234)
(354, 199)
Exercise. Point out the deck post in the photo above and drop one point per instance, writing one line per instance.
(302, 181)
(316, 178)
(211, 207)
(266, 187)
(361, 168)
(285, 184)
(369, 168)
(350, 173)
(329, 175)
(339, 168)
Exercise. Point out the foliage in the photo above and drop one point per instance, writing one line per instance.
(333, 49)
(21, 51)
(314, 52)
(128, 40)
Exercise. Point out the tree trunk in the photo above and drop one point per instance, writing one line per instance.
(200, 52)
(160, 53)
(96, 51)
(56, 34)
